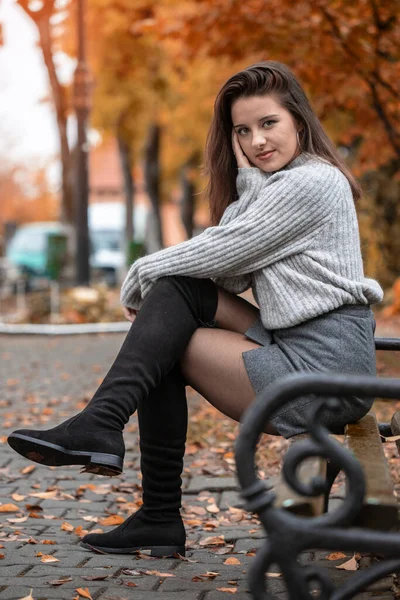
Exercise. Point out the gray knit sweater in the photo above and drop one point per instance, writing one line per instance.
(292, 236)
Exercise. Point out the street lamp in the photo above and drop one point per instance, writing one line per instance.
(82, 84)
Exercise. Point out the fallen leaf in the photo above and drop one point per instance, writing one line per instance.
(193, 522)
(45, 495)
(95, 577)
(79, 531)
(335, 556)
(48, 558)
(218, 540)
(212, 508)
(67, 527)
(112, 520)
(30, 597)
(9, 508)
(129, 584)
(210, 575)
(27, 469)
(232, 561)
(158, 574)
(2, 556)
(224, 550)
(349, 565)
(18, 520)
(391, 438)
(183, 558)
(274, 574)
(18, 497)
(34, 507)
(59, 581)
(48, 542)
(230, 590)
(84, 592)
(132, 572)
(196, 510)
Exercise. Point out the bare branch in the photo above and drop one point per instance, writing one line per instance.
(366, 75)
(392, 134)
(24, 4)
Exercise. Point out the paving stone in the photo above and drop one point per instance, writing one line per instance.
(232, 534)
(214, 595)
(206, 556)
(247, 544)
(45, 593)
(42, 570)
(127, 594)
(11, 571)
(179, 584)
(230, 498)
(34, 364)
(220, 484)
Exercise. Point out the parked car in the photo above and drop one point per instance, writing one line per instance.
(106, 229)
(27, 250)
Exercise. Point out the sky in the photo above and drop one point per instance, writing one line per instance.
(28, 130)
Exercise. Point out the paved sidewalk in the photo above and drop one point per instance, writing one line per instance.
(44, 511)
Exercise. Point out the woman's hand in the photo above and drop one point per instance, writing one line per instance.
(130, 313)
(241, 158)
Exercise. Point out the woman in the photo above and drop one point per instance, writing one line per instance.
(284, 223)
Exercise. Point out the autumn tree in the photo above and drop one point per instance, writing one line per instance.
(347, 56)
(158, 110)
(47, 16)
(129, 91)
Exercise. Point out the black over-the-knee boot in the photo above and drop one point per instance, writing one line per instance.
(175, 307)
(157, 526)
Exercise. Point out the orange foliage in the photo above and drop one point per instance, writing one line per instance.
(19, 206)
(345, 53)
(394, 308)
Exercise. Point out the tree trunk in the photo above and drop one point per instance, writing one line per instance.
(42, 20)
(125, 160)
(154, 237)
(187, 203)
(379, 214)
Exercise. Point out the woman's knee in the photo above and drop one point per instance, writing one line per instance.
(201, 295)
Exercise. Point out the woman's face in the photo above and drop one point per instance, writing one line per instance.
(264, 126)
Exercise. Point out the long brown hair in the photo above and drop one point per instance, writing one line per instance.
(269, 77)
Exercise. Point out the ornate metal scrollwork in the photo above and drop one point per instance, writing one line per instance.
(289, 534)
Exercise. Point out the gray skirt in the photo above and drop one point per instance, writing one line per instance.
(340, 341)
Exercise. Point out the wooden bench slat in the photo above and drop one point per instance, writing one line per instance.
(395, 425)
(380, 509)
(301, 505)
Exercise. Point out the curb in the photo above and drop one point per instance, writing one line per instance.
(73, 329)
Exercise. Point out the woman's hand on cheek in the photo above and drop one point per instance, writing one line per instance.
(241, 158)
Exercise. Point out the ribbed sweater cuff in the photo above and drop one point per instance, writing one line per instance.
(249, 177)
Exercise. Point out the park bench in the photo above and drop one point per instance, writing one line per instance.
(295, 513)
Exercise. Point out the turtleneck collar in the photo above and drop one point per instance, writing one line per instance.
(301, 159)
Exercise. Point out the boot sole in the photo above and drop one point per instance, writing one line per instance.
(155, 551)
(52, 455)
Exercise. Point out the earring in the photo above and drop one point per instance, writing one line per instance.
(298, 139)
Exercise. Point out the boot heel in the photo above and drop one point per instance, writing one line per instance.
(108, 465)
(170, 551)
